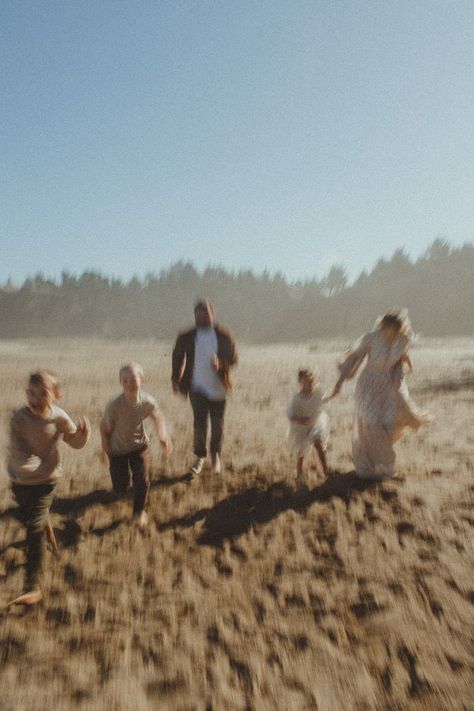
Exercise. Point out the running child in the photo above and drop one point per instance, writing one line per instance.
(309, 423)
(125, 440)
(34, 468)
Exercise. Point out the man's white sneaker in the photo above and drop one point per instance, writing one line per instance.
(196, 466)
(216, 463)
(142, 520)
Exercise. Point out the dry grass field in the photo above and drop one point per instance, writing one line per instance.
(245, 593)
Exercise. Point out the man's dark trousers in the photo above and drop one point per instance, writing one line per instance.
(204, 409)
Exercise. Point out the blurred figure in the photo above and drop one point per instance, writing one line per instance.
(125, 441)
(383, 408)
(33, 468)
(308, 422)
(201, 361)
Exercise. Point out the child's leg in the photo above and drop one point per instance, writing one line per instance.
(321, 454)
(51, 536)
(140, 466)
(299, 465)
(34, 503)
(119, 473)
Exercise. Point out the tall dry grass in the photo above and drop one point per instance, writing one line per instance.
(244, 593)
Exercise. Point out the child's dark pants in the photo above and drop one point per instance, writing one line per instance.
(34, 503)
(138, 462)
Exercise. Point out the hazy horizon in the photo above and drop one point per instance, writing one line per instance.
(160, 269)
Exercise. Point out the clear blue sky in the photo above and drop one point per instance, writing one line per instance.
(279, 135)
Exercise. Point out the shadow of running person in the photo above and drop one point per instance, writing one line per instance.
(171, 480)
(76, 505)
(236, 514)
(71, 509)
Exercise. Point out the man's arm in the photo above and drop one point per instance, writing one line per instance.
(178, 361)
(233, 355)
(228, 352)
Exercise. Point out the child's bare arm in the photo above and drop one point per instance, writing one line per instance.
(105, 439)
(79, 438)
(300, 420)
(291, 411)
(160, 427)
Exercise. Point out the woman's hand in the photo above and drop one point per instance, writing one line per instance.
(407, 360)
(332, 393)
(166, 445)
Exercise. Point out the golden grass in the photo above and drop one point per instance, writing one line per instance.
(244, 593)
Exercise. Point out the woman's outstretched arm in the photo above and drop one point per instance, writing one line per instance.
(349, 366)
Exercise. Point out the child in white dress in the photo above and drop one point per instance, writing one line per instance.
(309, 423)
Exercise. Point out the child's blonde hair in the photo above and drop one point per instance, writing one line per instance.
(307, 373)
(131, 367)
(46, 380)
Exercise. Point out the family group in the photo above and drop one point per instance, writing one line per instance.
(201, 362)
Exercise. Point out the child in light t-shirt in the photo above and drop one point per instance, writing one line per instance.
(33, 467)
(125, 440)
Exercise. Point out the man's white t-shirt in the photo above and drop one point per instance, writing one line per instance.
(205, 380)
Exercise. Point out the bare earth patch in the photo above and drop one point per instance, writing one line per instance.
(245, 592)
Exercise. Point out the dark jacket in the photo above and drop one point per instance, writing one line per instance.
(183, 358)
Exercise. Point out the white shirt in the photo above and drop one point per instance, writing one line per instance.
(205, 380)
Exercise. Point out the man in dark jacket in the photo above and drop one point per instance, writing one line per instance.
(201, 361)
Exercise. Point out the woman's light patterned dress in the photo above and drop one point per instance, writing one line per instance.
(383, 408)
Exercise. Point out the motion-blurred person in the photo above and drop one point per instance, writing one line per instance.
(201, 361)
(33, 468)
(125, 440)
(383, 408)
(309, 423)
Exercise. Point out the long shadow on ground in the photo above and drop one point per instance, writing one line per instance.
(236, 514)
(72, 507)
(76, 505)
(228, 519)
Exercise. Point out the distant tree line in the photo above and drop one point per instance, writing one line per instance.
(437, 288)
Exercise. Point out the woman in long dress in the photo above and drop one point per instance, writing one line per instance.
(383, 408)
